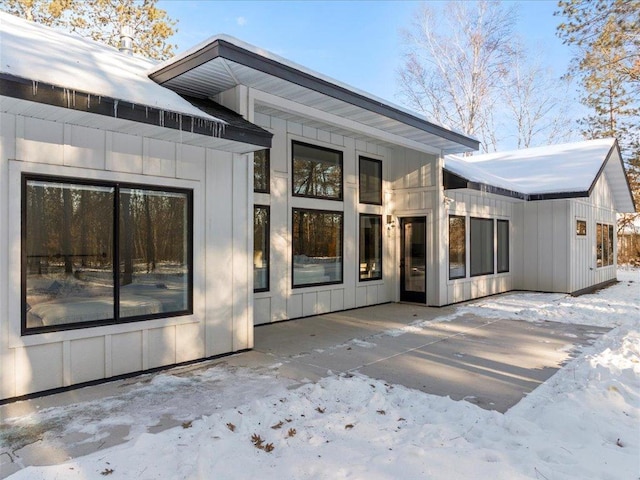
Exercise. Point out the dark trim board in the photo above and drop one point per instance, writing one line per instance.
(452, 181)
(224, 49)
(49, 94)
(124, 376)
(594, 288)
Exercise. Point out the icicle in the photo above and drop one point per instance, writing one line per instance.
(115, 108)
(161, 114)
(88, 101)
(73, 93)
(146, 112)
(99, 98)
(34, 87)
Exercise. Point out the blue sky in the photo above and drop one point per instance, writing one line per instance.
(356, 42)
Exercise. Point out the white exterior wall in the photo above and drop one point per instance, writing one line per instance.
(222, 292)
(598, 208)
(542, 246)
(414, 192)
(471, 203)
(550, 256)
(282, 301)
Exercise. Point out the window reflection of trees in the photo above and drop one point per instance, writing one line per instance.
(70, 252)
(317, 172)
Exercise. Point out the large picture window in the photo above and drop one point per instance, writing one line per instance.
(502, 227)
(481, 246)
(317, 172)
(370, 247)
(457, 247)
(370, 181)
(317, 247)
(261, 161)
(103, 253)
(604, 245)
(260, 248)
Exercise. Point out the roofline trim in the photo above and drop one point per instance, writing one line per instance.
(614, 147)
(229, 51)
(45, 93)
(527, 197)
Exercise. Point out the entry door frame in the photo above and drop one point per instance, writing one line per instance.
(405, 294)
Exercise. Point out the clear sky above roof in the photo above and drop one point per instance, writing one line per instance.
(356, 42)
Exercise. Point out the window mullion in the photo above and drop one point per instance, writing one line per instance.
(116, 253)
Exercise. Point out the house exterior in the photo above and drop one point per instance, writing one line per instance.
(153, 214)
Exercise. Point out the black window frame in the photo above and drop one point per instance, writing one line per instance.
(581, 227)
(506, 246)
(267, 252)
(340, 197)
(341, 235)
(267, 168)
(117, 186)
(362, 217)
(605, 245)
(464, 240)
(473, 220)
(361, 188)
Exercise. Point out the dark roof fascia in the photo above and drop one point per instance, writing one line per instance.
(484, 187)
(237, 127)
(556, 195)
(234, 53)
(45, 93)
(528, 197)
(604, 164)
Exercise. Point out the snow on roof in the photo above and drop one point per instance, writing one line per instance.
(569, 167)
(43, 54)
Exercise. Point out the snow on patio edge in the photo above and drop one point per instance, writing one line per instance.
(584, 422)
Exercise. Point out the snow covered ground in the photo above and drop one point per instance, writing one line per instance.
(583, 423)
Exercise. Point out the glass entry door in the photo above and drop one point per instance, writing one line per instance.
(413, 259)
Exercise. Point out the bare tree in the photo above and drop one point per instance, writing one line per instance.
(537, 103)
(466, 69)
(456, 64)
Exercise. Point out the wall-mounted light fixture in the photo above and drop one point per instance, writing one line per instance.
(390, 223)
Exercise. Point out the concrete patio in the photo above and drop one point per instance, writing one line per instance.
(492, 363)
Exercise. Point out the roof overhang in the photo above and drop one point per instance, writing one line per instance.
(612, 167)
(50, 102)
(222, 63)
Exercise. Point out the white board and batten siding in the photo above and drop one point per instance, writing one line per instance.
(542, 246)
(470, 203)
(597, 208)
(283, 302)
(221, 222)
(414, 193)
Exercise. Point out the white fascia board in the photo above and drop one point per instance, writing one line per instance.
(290, 106)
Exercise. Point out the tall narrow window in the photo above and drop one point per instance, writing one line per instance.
(317, 247)
(260, 248)
(599, 245)
(370, 184)
(370, 247)
(457, 247)
(503, 245)
(610, 246)
(481, 246)
(317, 172)
(102, 253)
(261, 160)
